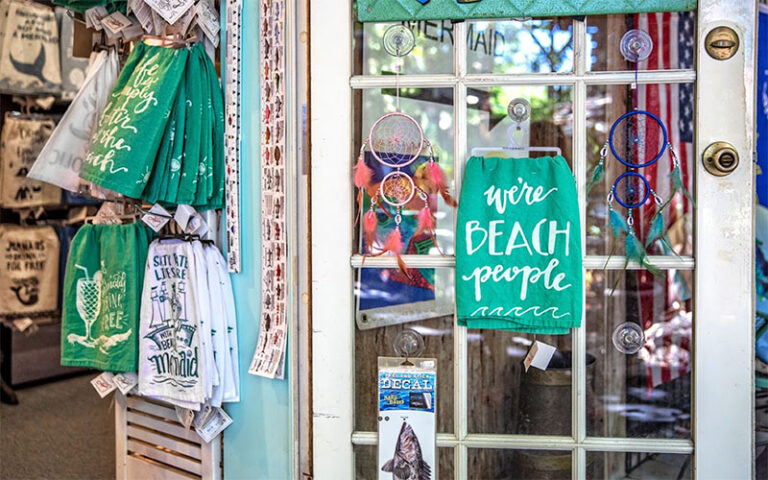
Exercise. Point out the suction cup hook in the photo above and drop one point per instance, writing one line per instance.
(408, 344)
(628, 338)
(636, 45)
(519, 110)
(398, 40)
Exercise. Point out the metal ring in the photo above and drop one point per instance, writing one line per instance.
(638, 165)
(631, 205)
(396, 173)
(375, 153)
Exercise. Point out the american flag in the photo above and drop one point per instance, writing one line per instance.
(664, 312)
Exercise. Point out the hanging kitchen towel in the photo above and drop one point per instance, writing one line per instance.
(61, 159)
(73, 69)
(518, 246)
(204, 300)
(100, 318)
(29, 56)
(21, 141)
(126, 141)
(29, 269)
(170, 367)
(217, 263)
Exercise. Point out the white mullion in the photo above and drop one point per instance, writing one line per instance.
(496, 79)
(460, 333)
(591, 262)
(579, 339)
(548, 442)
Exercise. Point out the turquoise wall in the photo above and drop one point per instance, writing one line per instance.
(258, 444)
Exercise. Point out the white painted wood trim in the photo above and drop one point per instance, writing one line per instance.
(724, 232)
(332, 302)
(121, 426)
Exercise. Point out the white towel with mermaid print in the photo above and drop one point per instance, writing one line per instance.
(204, 300)
(170, 365)
(219, 333)
(232, 391)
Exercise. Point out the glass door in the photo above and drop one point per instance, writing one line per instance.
(675, 408)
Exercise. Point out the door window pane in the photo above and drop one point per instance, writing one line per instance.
(503, 398)
(367, 463)
(515, 46)
(432, 109)
(550, 123)
(672, 34)
(638, 139)
(519, 464)
(432, 53)
(402, 303)
(646, 394)
(645, 466)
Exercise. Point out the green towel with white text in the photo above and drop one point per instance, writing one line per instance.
(518, 246)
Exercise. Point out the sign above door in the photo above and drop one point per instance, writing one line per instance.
(403, 10)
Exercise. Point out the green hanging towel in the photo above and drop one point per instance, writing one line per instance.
(217, 164)
(102, 290)
(518, 246)
(126, 141)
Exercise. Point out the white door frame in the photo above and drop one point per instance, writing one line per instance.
(723, 326)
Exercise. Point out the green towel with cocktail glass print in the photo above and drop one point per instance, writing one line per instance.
(518, 246)
(102, 288)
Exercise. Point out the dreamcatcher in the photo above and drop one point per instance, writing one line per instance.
(396, 141)
(638, 139)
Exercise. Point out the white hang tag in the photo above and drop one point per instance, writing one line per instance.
(213, 424)
(208, 19)
(93, 17)
(185, 416)
(197, 225)
(125, 382)
(131, 33)
(184, 213)
(115, 23)
(407, 415)
(104, 384)
(170, 11)
(144, 15)
(539, 356)
(159, 219)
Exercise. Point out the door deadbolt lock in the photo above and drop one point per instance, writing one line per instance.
(722, 43)
(721, 158)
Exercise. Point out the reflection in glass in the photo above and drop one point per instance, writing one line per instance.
(646, 394)
(514, 46)
(673, 35)
(491, 464)
(367, 463)
(389, 302)
(673, 104)
(503, 398)
(433, 52)
(646, 466)
(550, 123)
(432, 108)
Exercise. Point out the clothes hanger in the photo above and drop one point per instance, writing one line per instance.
(518, 110)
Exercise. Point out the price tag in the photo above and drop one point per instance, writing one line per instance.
(212, 422)
(170, 10)
(159, 219)
(125, 382)
(208, 19)
(115, 23)
(539, 356)
(184, 213)
(104, 384)
(185, 416)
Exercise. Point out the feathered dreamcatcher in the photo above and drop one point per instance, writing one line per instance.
(396, 142)
(638, 139)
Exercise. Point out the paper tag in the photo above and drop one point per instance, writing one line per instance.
(157, 221)
(115, 22)
(125, 381)
(104, 384)
(539, 356)
(132, 33)
(183, 214)
(93, 17)
(197, 225)
(212, 424)
(185, 416)
(170, 10)
(208, 19)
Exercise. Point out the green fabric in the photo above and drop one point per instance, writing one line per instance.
(124, 147)
(518, 246)
(217, 161)
(80, 6)
(399, 10)
(102, 297)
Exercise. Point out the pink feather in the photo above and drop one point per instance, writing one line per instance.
(394, 242)
(436, 177)
(363, 173)
(369, 227)
(426, 220)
